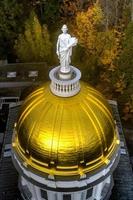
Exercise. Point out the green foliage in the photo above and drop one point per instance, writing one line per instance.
(47, 11)
(126, 67)
(119, 82)
(125, 61)
(34, 45)
(10, 20)
(50, 13)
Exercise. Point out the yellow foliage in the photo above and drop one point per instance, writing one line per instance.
(86, 23)
(112, 53)
(97, 41)
(120, 85)
(104, 77)
(34, 45)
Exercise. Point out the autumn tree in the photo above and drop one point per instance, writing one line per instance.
(11, 22)
(98, 42)
(125, 63)
(115, 11)
(34, 44)
(69, 8)
(47, 11)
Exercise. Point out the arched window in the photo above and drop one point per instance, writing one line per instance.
(66, 196)
(89, 193)
(44, 194)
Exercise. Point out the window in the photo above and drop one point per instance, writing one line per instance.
(66, 196)
(44, 194)
(89, 193)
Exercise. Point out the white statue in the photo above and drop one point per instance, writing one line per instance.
(64, 49)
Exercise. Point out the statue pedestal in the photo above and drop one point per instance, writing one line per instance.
(63, 84)
(65, 76)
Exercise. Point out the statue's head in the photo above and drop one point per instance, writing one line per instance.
(64, 28)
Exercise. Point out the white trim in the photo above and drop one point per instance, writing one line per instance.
(64, 184)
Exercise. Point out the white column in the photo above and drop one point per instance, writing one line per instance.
(37, 191)
(77, 196)
(34, 192)
(108, 180)
(60, 196)
(83, 195)
(52, 195)
(69, 88)
(97, 191)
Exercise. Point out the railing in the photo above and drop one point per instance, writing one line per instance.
(8, 100)
(65, 88)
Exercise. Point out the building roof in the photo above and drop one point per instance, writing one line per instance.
(65, 137)
(123, 176)
(8, 173)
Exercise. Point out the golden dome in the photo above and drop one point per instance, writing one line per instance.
(65, 136)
